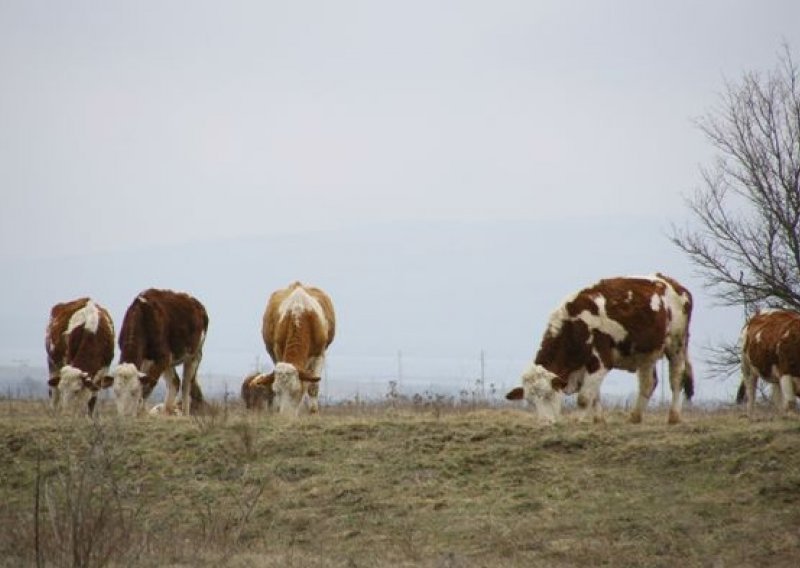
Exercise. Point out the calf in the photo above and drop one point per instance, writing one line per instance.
(298, 326)
(80, 347)
(161, 330)
(257, 395)
(624, 323)
(770, 344)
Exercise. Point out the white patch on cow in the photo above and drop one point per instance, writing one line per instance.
(127, 388)
(629, 297)
(758, 337)
(299, 302)
(602, 322)
(141, 299)
(676, 304)
(88, 317)
(656, 302)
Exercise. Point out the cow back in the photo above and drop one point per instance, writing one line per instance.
(771, 342)
(609, 323)
(160, 325)
(278, 329)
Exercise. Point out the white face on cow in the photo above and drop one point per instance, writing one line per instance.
(288, 388)
(75, 389)
(537, 382)
(127, 388)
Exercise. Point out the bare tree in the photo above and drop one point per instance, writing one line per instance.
(745, 241)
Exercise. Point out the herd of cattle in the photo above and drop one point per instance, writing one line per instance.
(624, 323)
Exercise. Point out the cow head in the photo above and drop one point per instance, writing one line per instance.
(537, 388)
(128, 385)
(288, 385)
(75, 389)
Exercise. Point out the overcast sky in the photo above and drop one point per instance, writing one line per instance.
(131, 123)
(128, 125)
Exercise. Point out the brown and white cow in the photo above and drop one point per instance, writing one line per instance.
(257, 392)
(770, 344)
(80, 347)
(624, 323)
(298, 326)
(161, 330)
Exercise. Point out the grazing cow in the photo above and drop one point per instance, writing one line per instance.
(80, 347)
(259, 395)
(161, 330)
(624, 323)
(298, 326)
(771, 350)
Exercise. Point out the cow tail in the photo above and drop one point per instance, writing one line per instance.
(741, 394)
(196, 393)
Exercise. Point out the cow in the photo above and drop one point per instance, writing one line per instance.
(80, 348)
(770, 344)
(298, 326)
(161, 330)
(257, 396)
(625, 323)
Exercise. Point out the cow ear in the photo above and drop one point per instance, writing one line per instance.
(517, 393)
(106, 381)
(265, 380)
(53, 382)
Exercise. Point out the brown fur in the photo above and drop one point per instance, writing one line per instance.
(89, 352)
(571, 349)
(257, 395)
(165, 329)
(293, 343)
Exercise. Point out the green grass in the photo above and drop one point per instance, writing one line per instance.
(380, 487)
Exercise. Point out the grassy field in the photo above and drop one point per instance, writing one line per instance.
(374, 486)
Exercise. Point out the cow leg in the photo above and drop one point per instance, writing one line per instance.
(589, 396)
(787, 390)
(189, 385)
(316, 365)
(173, 383)
(677, 370)
(749, 378)
(647, 384)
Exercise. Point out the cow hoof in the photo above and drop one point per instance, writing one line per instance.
(674, 417)
(636, 417)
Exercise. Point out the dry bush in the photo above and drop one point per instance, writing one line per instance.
(83, 510)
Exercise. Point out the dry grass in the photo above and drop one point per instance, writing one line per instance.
(373, 486)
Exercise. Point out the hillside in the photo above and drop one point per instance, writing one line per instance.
(419, 486)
